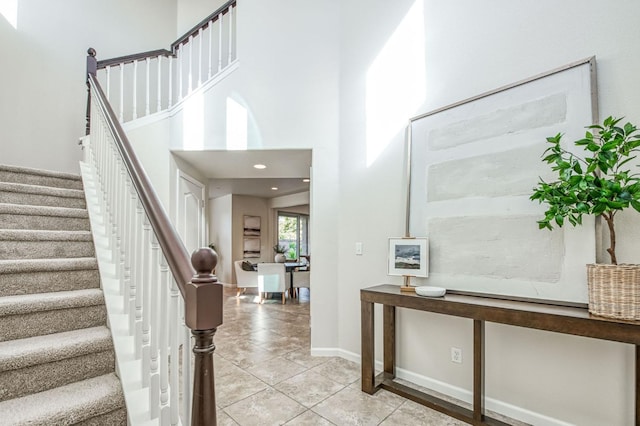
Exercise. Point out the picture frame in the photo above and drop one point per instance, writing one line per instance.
(251, 247)
(251, 226)
(471, 168)
(409, 257)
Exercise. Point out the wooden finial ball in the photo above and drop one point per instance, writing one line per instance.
(204, 260)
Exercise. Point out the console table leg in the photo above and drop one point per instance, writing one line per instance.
(478, 370)
(367, 350)
(389, 340)
(637, 385)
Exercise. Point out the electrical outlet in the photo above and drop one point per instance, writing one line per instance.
(456, 355)
(359, 249)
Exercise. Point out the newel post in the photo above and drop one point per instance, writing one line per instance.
(92, 69)
(203, 315)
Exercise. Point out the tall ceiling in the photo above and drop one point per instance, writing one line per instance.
(232, 172)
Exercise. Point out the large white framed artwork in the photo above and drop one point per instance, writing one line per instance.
(471, 170)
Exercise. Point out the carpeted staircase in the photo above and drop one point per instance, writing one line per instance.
(57, 362)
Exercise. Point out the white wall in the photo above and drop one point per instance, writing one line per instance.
(221, 234)
(468, 48)
(191, 12)
(288, 84)
(42, 106)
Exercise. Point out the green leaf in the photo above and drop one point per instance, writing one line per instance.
(629, 128)
(599, 208)
(616, 204)
(577, 168)
(559, 220)
(635, 205)
(593, 147)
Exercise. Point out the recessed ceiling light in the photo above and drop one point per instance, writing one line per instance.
(259, 166)
(274, 188)
(306, 180)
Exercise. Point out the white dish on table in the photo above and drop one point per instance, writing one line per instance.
(430, 291)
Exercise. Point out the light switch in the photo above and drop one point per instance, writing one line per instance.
(359, 249)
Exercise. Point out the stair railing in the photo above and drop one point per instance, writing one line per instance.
(150, 82)
(154, 270)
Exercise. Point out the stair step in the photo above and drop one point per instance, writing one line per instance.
(36, 364)
(20, 216)
(96, 401)
(17, 174)
(28, 276)
(37, 314)
(18, 193)
(28, 244)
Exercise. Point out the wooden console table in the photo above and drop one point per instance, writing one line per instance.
(560, 319)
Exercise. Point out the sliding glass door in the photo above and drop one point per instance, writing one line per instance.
(293, 234)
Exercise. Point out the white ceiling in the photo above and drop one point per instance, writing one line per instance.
(232, 172)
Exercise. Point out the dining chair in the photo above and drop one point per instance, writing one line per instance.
(301, 279)
(271, 279)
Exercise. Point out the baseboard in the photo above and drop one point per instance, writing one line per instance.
(456, 392)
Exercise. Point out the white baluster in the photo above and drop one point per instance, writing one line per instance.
(119, 205)
(200, 41)
(108, 71)
(107, 195)
(134, 230)
(139, 262)
(154, 371)
(220, 42)
(190, 64)
(171, 62)
(165, 410)
(146, 107)
(121, 116)
(187, 374)
(122, 219)
(210, 46)
(135, 89)
(128, 243)
(174, 312)
(159, 102)
(230, 35)
(146, 303)
(180, 72)
(112, 206)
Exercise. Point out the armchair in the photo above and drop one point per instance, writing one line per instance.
(244, 279)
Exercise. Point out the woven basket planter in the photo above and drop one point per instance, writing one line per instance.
(614, 291)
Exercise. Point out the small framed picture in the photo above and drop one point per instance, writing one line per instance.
(409, 257)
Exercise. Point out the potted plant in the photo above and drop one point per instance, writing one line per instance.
(279, 251)
(600, 184)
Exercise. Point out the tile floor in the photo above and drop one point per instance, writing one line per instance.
(265, 374)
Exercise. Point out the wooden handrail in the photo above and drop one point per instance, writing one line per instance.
(135, 57)
(200, 311)
(203, 24)
(174, 46)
